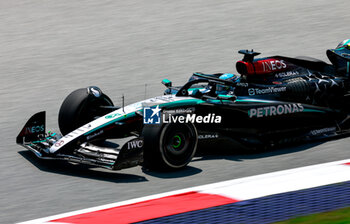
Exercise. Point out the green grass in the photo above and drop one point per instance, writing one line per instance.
(340, 216)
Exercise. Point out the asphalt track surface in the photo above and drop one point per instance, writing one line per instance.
(49, 48)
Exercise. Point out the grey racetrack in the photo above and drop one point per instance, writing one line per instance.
(50, 48)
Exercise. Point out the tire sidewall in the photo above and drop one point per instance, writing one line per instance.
(73, 114)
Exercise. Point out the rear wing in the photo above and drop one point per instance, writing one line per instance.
(33, 129)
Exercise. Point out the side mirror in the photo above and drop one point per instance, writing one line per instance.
(167, 83)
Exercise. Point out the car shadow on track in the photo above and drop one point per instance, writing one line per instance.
(187, 171)
(79, 170)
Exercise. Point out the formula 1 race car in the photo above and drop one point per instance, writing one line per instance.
(277, 100)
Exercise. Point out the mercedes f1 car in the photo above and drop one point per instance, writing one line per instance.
(276, 100)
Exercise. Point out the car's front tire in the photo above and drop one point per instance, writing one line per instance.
(169, 146)
(80, 107)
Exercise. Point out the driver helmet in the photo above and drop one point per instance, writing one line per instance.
(340, 57)
(345, 44)
(227, 77)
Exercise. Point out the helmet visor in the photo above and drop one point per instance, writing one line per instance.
(344, 44)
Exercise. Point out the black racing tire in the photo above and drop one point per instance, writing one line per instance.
(169, 146)
(81, 107)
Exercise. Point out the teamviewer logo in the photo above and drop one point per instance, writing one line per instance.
(151, 115)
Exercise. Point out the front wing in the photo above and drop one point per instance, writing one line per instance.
(35, 138)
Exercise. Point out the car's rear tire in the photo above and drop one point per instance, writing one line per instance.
(80, 107)
(169, 146)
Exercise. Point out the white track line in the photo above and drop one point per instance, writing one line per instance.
(247, 187)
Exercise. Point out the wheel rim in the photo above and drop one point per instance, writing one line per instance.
(178, 144)
(177, 140)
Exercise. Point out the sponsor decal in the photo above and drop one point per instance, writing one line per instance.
(88, 126)
(136, 106)
(273, 65)
(243, 84)
(59, 143)
(323, 130)
(208, 136)
(275, 110)
(286, 74)
(251, 92)
(259, 91)
(135, 144)
(94, 135)
(162, 98)
(112, 116)
(34, 129)
(192, 118)
(151, 115)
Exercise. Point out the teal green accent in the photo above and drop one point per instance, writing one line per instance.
(219, 101)
(178, 144)
(111, 116)
(223, 95)
(347, 42)
(192, 89)
(185, 102)
(226, 96)
(254, 100)
(165, 81)
(314, 110)
(112, 121)
(38, 141)
(44, 140)
(348, 67)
